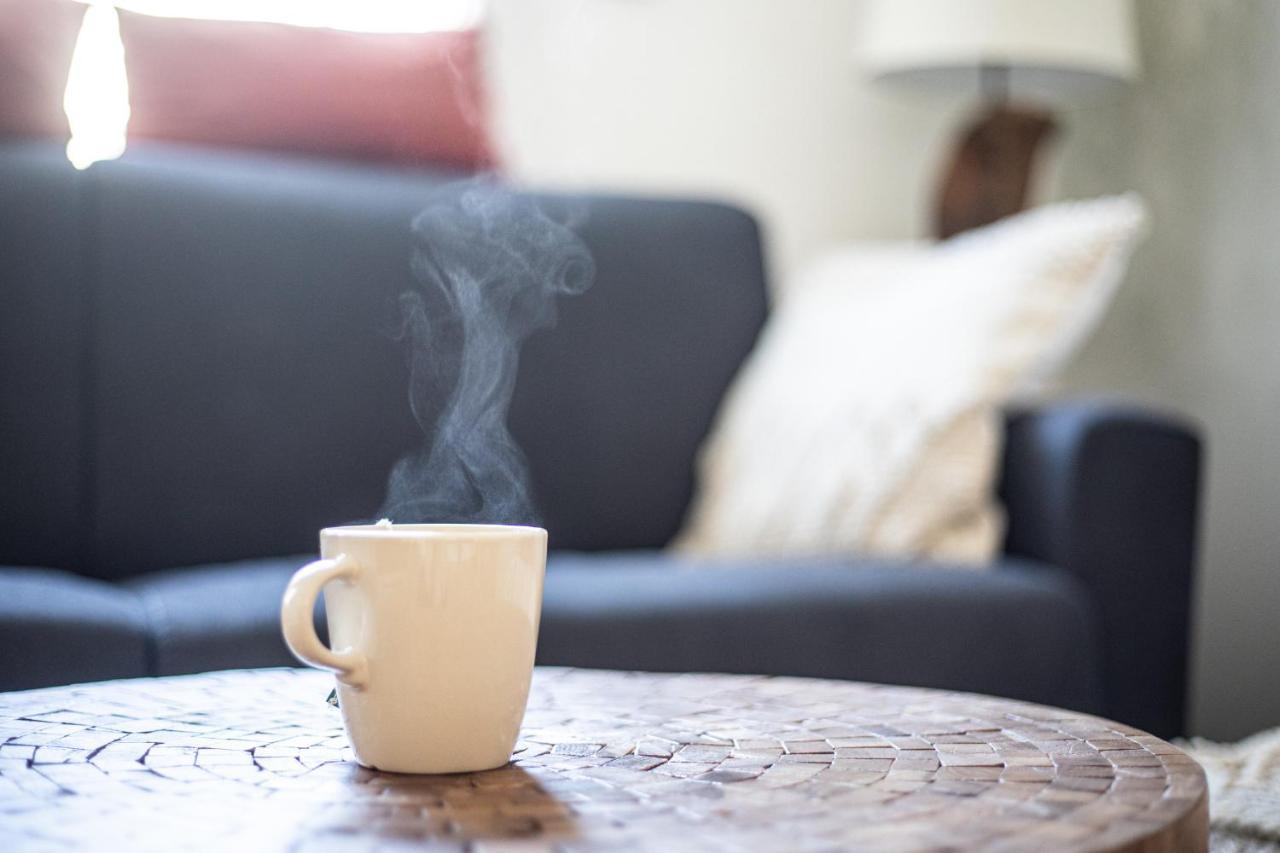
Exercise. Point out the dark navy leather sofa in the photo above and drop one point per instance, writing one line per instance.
(197, 372)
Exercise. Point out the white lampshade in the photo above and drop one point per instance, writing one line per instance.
(1055, 50)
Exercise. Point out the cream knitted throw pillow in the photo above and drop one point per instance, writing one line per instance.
(868, 419)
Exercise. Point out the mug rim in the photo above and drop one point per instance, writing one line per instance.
(431, 531)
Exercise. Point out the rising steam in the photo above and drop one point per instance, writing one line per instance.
(489, 265)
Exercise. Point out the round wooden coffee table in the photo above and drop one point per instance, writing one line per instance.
(257, 760)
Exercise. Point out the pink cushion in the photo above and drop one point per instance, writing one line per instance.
(407, 98)
(36, 41)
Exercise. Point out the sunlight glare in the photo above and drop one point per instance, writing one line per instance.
(97, 96)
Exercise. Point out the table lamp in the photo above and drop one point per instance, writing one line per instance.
(1021, 56)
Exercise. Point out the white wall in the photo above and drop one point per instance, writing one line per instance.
(1197, 325)
(759, 102)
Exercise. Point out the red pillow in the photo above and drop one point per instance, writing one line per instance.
(36, 41)
(407, 98)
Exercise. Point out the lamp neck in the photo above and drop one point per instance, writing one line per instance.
(993, 82)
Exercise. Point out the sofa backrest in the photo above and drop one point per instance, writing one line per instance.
(202, 366)
(42, 354)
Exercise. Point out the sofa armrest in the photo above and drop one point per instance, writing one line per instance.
(1109, 493)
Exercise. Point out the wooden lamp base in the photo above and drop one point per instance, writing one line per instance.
(989, 175)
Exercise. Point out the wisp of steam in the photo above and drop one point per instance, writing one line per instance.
(489, 265)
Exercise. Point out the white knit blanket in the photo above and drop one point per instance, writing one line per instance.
(1244, 792)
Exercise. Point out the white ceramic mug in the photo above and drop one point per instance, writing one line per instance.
(433, 629)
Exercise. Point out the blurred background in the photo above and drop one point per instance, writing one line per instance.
(778, 108)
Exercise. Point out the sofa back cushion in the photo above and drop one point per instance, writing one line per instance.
(43, 316)
(246, 388)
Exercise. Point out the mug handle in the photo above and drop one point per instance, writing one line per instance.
(296, 615)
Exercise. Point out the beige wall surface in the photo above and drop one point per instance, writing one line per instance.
(757, 102)
(1197, 326)
(763, 102)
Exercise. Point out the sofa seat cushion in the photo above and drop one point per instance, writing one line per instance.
(59, 628)
(1022, 630)
(221, 616)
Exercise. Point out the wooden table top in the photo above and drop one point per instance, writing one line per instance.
(256, 760)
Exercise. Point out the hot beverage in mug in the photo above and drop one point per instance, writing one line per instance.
(432, 631)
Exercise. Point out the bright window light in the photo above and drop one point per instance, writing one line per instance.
(97, 96)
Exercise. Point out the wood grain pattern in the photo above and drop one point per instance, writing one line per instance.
(256, 760)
